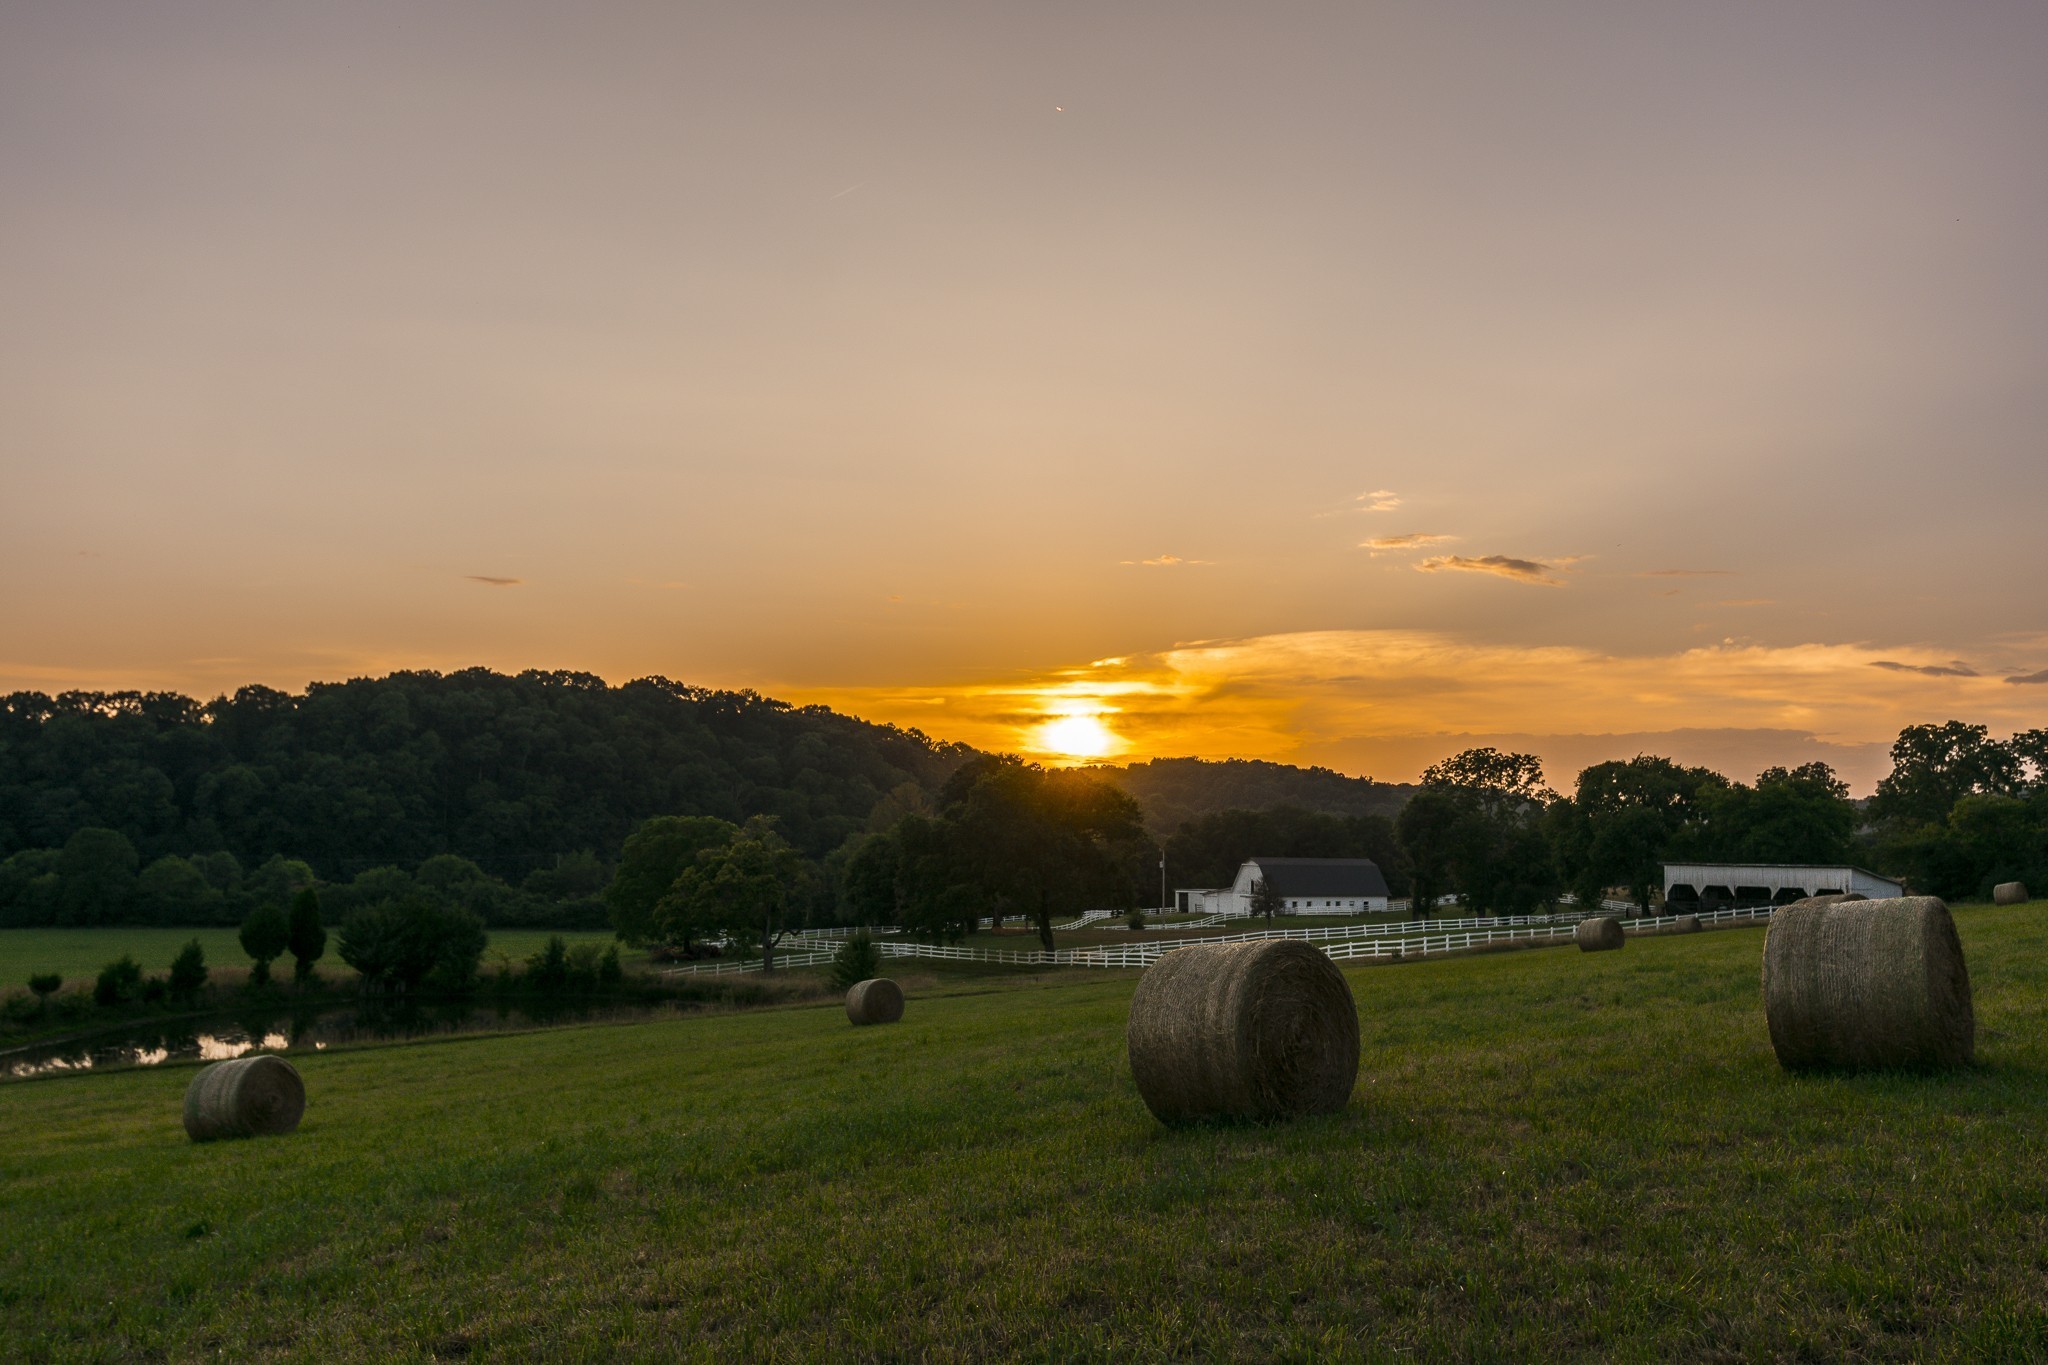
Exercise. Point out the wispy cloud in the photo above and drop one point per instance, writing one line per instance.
(1379, 500)
(1686, 573)
(1955, 668)
(1165, 562)
(1749, 602)
(491, 581)
(2041, 677)
(1414, 540)
(1500, 566)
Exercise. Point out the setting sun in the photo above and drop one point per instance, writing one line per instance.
(1078, 736)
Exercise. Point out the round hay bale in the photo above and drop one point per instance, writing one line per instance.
(1876, 984)
(243, 1098)
(1266, 1029)
(878, 1000)
(1599, 934)
(2009, 893)
(1686, 924)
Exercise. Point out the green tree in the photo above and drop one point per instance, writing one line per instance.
(1429, 828)
(1803, 815)
(1625, 818)
(656, 853)
(1935, 766)
(1265, 900)
(188, 973)
(265, 934)
(119, 982)
(173, 891)
(756, 889)
(404, 945)
(1044, 841)
(278, 880)
(45, 985)
(1489, 838)
(95, 877)
(547, 970)
(857, 960)
(307, 937)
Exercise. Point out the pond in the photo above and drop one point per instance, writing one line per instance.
(274, 1029)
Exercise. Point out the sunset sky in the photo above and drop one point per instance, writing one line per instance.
(1338, 384)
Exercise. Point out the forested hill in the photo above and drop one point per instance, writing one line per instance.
(1174, 791)
(508, 772)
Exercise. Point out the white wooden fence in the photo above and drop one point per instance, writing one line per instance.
(1342, 942)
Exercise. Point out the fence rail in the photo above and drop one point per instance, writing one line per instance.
(1343, 943)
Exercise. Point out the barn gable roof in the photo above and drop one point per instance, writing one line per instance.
(1332, 877)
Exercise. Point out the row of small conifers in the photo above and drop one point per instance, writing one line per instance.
(1268, 1029)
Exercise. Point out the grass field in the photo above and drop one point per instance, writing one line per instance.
(1548, 1154)
(78, 954)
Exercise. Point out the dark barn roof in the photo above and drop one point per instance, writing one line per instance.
(1332, 877)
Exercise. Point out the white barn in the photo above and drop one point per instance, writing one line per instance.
(1307, 886)
(1687, 885)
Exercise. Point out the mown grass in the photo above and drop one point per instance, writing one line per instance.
(1549, 1154)
(78, 954)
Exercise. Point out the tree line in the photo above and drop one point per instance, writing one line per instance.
(512, 773)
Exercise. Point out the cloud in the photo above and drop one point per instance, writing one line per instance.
(1749, 602)
(1414, 540)
(1165, 562)
(1379, 500)
(1686, 573)
(1955, 668)
(1501, 566)
(494, 582)
(2041, 677)
(1389, 702)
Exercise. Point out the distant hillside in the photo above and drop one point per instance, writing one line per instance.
(1174, 791)
(509, 772)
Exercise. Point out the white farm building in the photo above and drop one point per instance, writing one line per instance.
(1307, 886)
(1691, 885)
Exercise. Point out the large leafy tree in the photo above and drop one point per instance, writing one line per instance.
(657, 853)
(1935, 766)
(1799, 815)
(1477, 826)
(756, 888)
(1624, 818)
(1044, 841)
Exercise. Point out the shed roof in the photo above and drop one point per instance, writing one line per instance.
(1333, 877)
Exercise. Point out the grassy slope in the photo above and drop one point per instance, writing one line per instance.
(78, 954)
(1550, 1154)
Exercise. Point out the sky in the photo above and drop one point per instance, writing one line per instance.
(1336, 384)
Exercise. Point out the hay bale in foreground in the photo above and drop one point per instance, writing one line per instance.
(2009, 893)
(1599, 934)
(1266, 1029)
(1686, 924)
(877, 1000)
(1875, 984)
(243, 1098)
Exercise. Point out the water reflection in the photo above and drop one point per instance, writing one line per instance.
(311, 1030)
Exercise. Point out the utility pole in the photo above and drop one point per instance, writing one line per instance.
(1162, 881)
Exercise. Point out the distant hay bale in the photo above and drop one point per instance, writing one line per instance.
(1599, 934)
(1686, 924)
(1876, 984)
(244, 1098)
(877, 1000)
(2009, 893)
(1265, 1029)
